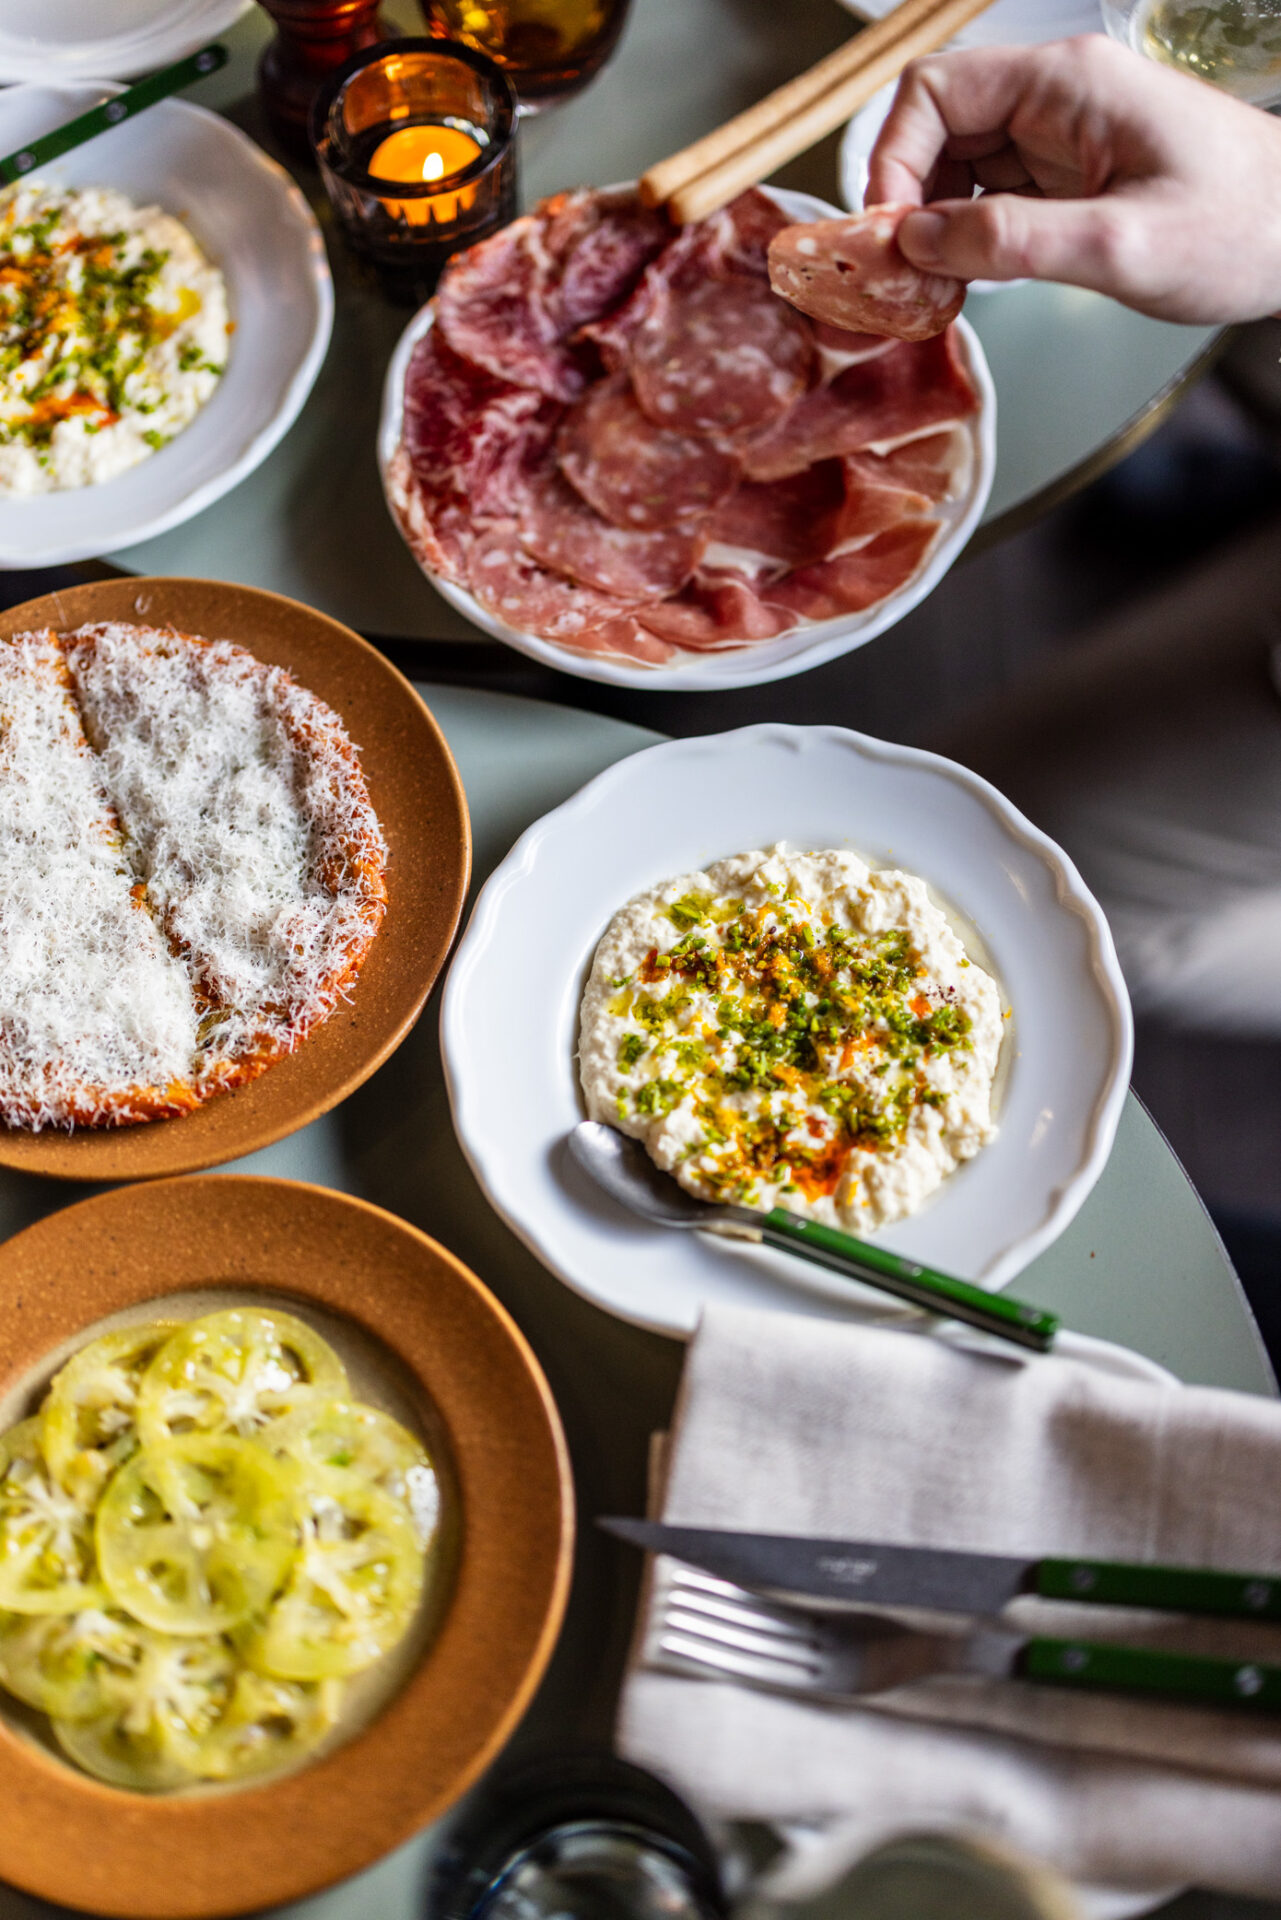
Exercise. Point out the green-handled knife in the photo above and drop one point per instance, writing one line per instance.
(625, 1170)
(867, 1573)
(121, 106)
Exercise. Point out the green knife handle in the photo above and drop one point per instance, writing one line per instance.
(1237, 1596)
(1178, 1676)
(938, 1292)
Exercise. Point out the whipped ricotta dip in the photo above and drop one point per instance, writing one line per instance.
(794, 1030)
(113, 335)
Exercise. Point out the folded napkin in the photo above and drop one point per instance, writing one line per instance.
(791, 1425)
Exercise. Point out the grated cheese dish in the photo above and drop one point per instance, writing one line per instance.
(191, 872)
(793, 1030)
(113, 335)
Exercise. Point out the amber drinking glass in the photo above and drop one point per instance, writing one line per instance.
(313, 38)
(415, 140)
(550, 48)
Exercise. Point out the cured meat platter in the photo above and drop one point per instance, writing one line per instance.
(609, 444)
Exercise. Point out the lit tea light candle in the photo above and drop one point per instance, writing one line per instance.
(426, 153)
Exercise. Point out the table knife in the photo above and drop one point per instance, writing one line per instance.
(866, 1573)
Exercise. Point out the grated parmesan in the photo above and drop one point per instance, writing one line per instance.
(190, 871)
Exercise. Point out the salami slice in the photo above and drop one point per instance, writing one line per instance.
(771, 526)
(634, 473)
(854, 581)
(467, 433)
(851, 273)
(493, 306)
(560, 531)
(722, 356)
(900, 395)
(512, 586)
(716, 618)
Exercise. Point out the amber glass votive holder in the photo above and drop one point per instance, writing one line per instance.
(416, 142)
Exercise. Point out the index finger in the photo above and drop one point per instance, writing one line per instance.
(966, 97)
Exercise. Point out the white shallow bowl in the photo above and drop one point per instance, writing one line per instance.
(761, 660)
(254, 224)
(105, 39)
(509, 1022)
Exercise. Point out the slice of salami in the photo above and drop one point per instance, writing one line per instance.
(634, 473)
(721, 356)
(771, 526)
(716, 618)
(560, 531)
(854, 581)
(467, 433)
(602, 242)
(900, 395)
(493, 306)
(851, 273)
(512, 586)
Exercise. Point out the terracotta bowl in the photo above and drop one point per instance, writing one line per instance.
(445, 1344)
(419, 799)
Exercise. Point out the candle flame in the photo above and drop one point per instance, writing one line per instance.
(434, 167)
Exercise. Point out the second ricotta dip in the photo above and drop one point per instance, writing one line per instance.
(113, 335)
(793, 1030)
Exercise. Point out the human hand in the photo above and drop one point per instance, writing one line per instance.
(1098, 168)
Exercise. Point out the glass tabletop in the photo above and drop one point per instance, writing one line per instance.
(1078, 378)
(1141, 1264)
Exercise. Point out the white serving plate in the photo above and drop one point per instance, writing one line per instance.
(105, 39)
(509, 1020)
(1010, 22)
(255, 225)
(762, 660)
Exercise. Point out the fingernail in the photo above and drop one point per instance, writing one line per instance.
(921, 238)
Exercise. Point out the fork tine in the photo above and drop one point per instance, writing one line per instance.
(734, 1613)
(795, 1656)
(704, 1654)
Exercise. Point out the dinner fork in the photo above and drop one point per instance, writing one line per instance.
(706, 1627)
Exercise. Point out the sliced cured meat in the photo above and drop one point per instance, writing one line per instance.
(635, 473)
(938, 465)
(692, 256)
(872, 504)
(493, 306)
(773, 525)
(560, 531)
(746, 228)
(900, 395)
(838, 348)
(715, 618)
(624, 638)
(853, 581)
(851, 273)
(603, 242)
(515, 589)
(437, 529)
(468, 433)
(722, 356)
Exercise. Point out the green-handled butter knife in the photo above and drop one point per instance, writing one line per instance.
(121, 106)
(622, 1167)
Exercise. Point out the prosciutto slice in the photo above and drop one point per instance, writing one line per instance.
(634, 473)
(854, 581)
(852, 273)
(560, 531)
(716, 617)
(899, 395)
(769, 526)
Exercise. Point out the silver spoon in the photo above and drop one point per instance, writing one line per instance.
(622, 1167)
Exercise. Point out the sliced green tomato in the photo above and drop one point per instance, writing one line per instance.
(152, 1735)
(70, 1665)
(235, 1372)
(46, 1538)
(269, 1724)
(89, 1414)
(364, 1441)
(353, 1588)
(196, 1534)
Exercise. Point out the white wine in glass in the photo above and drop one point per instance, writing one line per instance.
(1234, 44)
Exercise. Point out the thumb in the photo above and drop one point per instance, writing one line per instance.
(1007, 236)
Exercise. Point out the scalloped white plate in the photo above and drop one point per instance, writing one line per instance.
(762, 660)
(255, 225)
(1010, 23)
(105, 39)
(509, 1021)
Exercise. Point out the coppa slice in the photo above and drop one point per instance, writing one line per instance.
(852, 273)
(97, 1021)
(492, 307)
(468, 434)
(249, 824)
(633, 472)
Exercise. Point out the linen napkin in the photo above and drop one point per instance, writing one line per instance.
(793, 1425)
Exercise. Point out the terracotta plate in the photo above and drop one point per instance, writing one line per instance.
(69, 1838)
(419, 799)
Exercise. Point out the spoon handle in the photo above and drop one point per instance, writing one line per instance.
(993, 1313)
